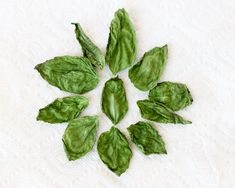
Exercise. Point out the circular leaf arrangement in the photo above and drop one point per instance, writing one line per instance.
(78, 75)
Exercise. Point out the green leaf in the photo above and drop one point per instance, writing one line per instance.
(72, 74)
(79, 137)
(175, 96)
(114, 101)
(121, 48)
(114, 150)
(63, 109)
(146, 138)
(90, 50)
(158, 112)
(145, 74)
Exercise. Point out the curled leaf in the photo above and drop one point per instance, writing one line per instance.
(145, 74)
(68, 73)
(158, 112)
(121, 48)
(175, 96)
(90, 50)
(114, 102)
(146, 138)
(79, 137)
(63, 109)
(114, 150)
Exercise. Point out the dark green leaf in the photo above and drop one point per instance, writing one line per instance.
(90, 50)
(121, 48)
(158, 112)
(114, 150)
(79, 137)
(146, 138)
(145, 74)
(72, 74)
(175, 96)
(114, 102)
(63, 109)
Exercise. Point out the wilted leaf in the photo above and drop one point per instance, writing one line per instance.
(114, 150)
(114, 102)
(79, 137)
(145, 74)
(63, 109)
(175, 96)
(146, 138)
(90, 50)
(72, 74)
(156, 111)
(121, 48)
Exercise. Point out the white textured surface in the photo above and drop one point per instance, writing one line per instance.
(201, 39)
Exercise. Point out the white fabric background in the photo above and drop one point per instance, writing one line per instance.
(201, 39)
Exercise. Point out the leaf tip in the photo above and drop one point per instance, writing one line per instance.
(121, 10)
(37, 67)
(75, 24)
(165, 46)
(118, 174)
(188, 122)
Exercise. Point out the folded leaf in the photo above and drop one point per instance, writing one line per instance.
(175, 96)
(114, 102)
(63, 109)
(114, 151)
(90, 50)
(72, 74)
(145, 74)
(121, 48)
(156, 111)
(79, 137)
(146, 138)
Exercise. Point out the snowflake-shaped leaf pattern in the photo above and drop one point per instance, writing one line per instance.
(78, 75)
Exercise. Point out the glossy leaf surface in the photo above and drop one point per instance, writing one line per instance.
(158, 112)
(145, 74)
(63, 109)
(79, 137)
(114, 150)
(175, 96)
(146, 138)
(90, 50)
(121, 48)
(114, 101)
(68, 73)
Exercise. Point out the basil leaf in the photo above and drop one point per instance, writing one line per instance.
(114, 102)
(156, 111)
(72, 74)
(121, 48)
(79, 137)
(146, 138)
(114, 150)
(175, 96)
(63, 109)
(145, 74)
(90, 50)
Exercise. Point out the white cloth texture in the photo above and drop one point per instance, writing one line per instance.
(201, 40)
